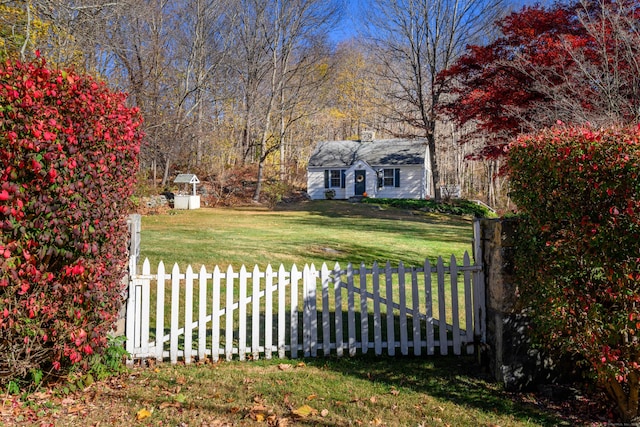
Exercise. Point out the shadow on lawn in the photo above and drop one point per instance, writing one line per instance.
(344, 209)
(456, 379)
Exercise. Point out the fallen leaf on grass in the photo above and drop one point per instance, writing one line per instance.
(395, 392)
(372, 399)
(165, 405)
(272, 420)
(286, 401)
(142, 414)
(304, 411)
(324, 413)
(377, 422)
(284, 367)
(260, 413)
(312, 396)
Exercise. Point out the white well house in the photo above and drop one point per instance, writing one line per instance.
(184, 200)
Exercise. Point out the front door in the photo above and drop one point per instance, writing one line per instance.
(361, 182)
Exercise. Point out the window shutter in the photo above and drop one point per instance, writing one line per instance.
(397, 179)
(326, 178)
(343, 178)
(380, 181)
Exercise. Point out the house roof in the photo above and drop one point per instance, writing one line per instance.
(380, 152)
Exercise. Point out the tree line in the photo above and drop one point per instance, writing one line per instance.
(231, 85)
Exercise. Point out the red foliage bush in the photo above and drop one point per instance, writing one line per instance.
(68, 156)
(579, 260)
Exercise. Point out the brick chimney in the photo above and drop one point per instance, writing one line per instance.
(367, 136)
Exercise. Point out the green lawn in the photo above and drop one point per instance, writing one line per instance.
(320, 392)
(309, 232)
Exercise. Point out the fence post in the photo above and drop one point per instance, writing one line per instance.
(508, 352)
(130, 319)
(479, 303)
(133, 223)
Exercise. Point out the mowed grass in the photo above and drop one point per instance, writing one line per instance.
(308, 232)
(315, 392)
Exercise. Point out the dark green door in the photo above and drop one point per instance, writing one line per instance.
(361, 182)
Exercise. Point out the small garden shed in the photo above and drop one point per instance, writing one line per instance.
(182, 199)
(384, 168)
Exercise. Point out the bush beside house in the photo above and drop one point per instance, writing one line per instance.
(68, 157)
(579, 260)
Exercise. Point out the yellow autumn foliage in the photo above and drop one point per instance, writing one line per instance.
(17, 28)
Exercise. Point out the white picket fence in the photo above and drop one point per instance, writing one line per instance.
(305, 312)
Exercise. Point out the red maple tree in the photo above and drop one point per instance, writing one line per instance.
(571, 63)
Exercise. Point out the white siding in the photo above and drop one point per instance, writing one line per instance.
(412, 184)
(315, 185)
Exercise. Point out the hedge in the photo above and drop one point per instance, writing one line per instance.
(68, 156)
(579, 259)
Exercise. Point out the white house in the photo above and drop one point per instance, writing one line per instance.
(383, 168)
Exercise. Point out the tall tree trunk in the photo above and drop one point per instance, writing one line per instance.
(435, 172)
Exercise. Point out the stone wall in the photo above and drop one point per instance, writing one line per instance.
(508, 351)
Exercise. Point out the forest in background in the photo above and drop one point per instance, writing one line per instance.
(240, 91)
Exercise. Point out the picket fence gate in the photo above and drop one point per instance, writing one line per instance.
(305, 312)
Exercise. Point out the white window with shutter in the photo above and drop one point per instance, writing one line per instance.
(390, 178)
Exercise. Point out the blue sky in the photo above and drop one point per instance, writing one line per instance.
(353, 14)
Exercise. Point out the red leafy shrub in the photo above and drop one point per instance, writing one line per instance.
(68, 156)
(579, 261)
